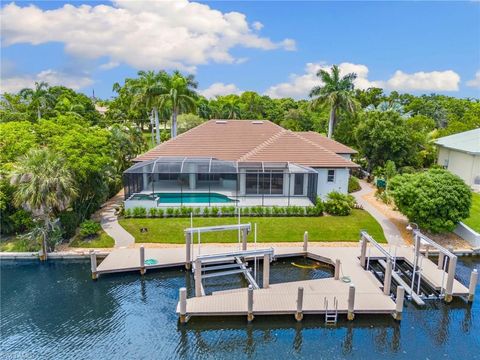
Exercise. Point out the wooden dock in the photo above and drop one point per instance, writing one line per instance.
(283, 298)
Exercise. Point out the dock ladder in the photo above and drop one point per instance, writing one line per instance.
(331, 316)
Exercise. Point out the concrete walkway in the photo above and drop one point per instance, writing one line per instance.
(392, 234)
(110, 224)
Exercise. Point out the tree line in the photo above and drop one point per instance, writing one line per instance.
(60, 158)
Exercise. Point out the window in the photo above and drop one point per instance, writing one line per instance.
(331, 176)
(268, 183)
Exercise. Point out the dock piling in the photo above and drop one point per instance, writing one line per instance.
(387, 282)
(451, 276)
(351, 302)
(363, 252)
(183, 305)
(198, 278)
(250, 304)
(266, 271)
(441, 257)
(399, 303)
(305, 241)
(93, 264)
(142, 260)
(244, 239)
(299, 313)
(188, 250)
(337, 269)
(473, 285)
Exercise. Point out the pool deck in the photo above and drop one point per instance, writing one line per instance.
(282, 298)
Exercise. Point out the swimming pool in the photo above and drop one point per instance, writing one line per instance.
(185, 198)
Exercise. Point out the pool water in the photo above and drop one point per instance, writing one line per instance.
(55, 311)
(186, 198)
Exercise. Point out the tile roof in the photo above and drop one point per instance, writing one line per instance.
(327, 143)
(252, 140)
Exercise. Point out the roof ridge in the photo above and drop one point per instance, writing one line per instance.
(261, 146)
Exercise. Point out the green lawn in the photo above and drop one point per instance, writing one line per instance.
(474, 220)
(16, 244)
(101, 241)
(270, 229)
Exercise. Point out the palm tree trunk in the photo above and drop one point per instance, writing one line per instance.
(331, 122)
(157, 125)
(39, 114)
(174, 123)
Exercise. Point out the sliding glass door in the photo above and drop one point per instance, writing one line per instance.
(264, 183)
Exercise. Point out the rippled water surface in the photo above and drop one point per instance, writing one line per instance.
(55, 311)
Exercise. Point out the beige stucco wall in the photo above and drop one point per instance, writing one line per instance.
(462, 164)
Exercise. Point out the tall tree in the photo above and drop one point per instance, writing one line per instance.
(336, 93)
(44, 186)
(147, 89)
(38, 98)
(178, 94)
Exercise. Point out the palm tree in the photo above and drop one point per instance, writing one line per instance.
(178, 95)
(147, 89)
(336, 92)
(38, 98)
(44, 186)
(231, 107)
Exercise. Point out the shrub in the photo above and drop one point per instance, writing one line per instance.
(353, 184)
(384, 196)
(160, 212)
(127, 213)
(276, 210)
(170, 212)
(245, 211)
(267, 211)
(435, 199)
(22, 221)
(214, 211)
(152, 212)
(206, 211)
(186, 211)
(177, 212)
(89, 228)
(339, 204)
(197, 211)
(139, 212)
(69, 221)
(319, 206)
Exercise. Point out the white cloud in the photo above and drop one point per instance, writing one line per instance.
(144, 34)
(257, 25)
(299, 86)
(475, 82)
(219, 89)
(424, 81)
(15, 83)
(109, 65)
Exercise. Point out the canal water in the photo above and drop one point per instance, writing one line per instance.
(55, 311)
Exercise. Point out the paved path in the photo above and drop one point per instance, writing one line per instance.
(392, 234)
(110, 224)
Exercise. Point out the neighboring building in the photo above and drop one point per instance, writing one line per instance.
(460, 154)
(241, 162)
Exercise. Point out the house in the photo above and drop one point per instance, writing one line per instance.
(239, 162)
(460, 154)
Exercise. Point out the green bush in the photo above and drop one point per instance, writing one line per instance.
(197, 211)
(214, 211)
(277, 211)
(206, 211)
(319, 206)
(127, 213)
(160, 213)
(89, 228)
(152, 212)
(186, 211)
(22, 221)
(339, 204)
(139, 212)
(69, 221)
(353, 184)
(170, 212)
(176, 212)
(435, 199)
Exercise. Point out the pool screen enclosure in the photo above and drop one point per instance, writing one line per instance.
(210, 179)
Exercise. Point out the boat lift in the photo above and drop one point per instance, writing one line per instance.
(229, 263)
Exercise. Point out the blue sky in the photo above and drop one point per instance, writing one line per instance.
(270, 47)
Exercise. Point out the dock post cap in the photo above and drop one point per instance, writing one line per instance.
(183, 305)
(299, 312)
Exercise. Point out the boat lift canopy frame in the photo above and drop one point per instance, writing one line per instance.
(204, 229)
